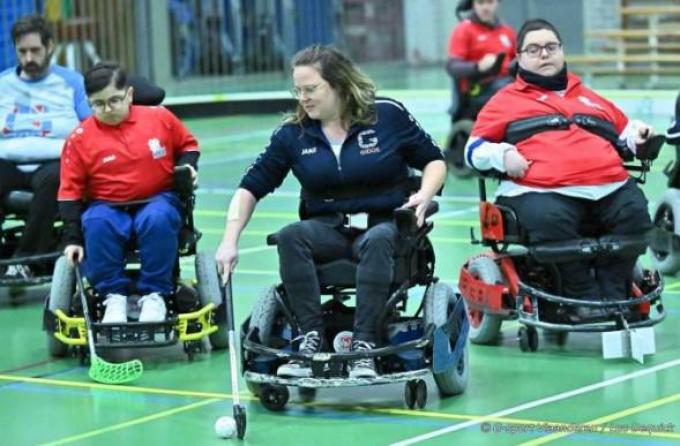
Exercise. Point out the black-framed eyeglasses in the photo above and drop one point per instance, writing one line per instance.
(113, 102)
(535, 50)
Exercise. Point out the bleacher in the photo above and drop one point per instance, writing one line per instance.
(647, 43)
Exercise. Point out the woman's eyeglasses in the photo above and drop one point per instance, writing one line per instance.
(307, 90)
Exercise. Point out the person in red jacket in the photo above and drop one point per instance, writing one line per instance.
(565, 172)
(479, 53)
(121, 161)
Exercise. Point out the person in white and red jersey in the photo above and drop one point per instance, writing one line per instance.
(480, 50)
(123, 154)
(567, 171)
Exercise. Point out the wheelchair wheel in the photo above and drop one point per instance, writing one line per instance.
(454, 151)
(667, 217)
(208, 288)
(264, 315)
(61, 293)
(484, 327)
(440, 300)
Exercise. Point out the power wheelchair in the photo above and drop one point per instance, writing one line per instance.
(195, 310)
(432, 340)
(463, 118)
(665, 244)
(14, 209)
(518, 280)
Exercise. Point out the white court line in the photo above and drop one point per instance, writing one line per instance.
(255, 249)
(536, 403)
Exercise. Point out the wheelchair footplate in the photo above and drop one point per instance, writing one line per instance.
(615, 313)
(312, 382)
(34, 278)
(185, 327)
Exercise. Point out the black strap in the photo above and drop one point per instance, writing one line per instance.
(522, 129)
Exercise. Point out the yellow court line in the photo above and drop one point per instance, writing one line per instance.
(140, 420)
(221, 396)
(672, 286)
(613, 417)
(119, 388)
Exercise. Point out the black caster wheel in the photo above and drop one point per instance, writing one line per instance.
(307, 394)
(240, 418)
(15, 295)
(410, 394)
(274, 398)
(528, 339)
(421, 393)
(190, 348)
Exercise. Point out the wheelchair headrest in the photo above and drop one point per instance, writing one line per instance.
(17, 201)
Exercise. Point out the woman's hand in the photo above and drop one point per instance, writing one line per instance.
(515, 164)
(226, 258)
(420, 201)
(74, 254)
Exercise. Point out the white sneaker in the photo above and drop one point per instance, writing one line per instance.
(18, 272)
(153, 308)
(116, 309)
(311, 343)
(364, 367)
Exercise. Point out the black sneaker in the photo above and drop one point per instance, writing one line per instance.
(364, 367)
(311, 343)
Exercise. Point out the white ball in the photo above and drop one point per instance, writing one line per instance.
(225, 427)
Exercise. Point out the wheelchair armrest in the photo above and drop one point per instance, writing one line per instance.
(273, 239)
(405, 218)
(651, 148)
(183, 183)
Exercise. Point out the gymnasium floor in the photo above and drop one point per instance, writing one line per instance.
(53, 402)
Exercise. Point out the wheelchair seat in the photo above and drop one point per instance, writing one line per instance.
(414, 255)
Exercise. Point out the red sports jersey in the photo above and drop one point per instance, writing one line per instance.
(558, 157)
(470, 41)
(131, 161)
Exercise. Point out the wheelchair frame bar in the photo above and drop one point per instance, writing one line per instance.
(389, 378)
(327, 357)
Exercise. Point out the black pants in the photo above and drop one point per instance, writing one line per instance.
(554, 217)
(44, 183)
(324, 239)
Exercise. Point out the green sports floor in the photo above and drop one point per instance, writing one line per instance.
(513, 398)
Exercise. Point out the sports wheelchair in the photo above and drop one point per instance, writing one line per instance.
(195, 310)
(462, 119)
(518, 280)
(432, 340)
(665, 243)
(14, 210)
